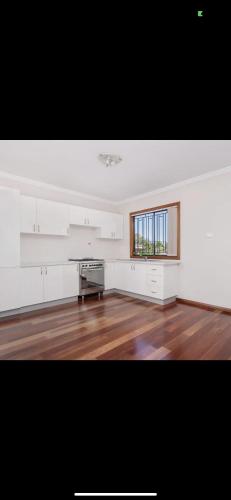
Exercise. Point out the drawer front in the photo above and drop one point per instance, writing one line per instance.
(154, 280)
(155, 270)
(154, 287)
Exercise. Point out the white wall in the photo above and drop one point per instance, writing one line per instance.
(205, 272)
(82, 242)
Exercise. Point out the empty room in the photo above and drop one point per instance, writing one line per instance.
(115, 250)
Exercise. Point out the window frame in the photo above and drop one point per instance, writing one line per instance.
(155, 209)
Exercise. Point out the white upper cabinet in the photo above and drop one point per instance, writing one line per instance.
(52, 217)
(44, 217)
(9, 227)
(80, 216)
(119, 224)
(40, 216)
(111, 226)
(28, 214)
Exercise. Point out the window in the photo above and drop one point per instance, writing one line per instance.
(155, 233)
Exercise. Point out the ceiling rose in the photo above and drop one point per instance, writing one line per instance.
(109, 160)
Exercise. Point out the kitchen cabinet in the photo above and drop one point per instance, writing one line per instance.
(111, 226)
(40, 216)
(80, 216)
(47, 283)
(9, 288)
(70, 280)
(52, 283)
(152, 280)
(9, 227)
(131, 277)
(31, 286)
(52, 218)
(110, 273)
(28, 214)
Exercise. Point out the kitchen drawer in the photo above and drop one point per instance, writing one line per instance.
(154, 279)
(155, 287)
(155, 270)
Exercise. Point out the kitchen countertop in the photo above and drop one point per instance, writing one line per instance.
(137, 261)
(151, 262)
(39, 264)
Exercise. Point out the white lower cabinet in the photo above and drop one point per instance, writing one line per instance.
(52, 279)
(70, 280)
(110, 275)
(9, 288)
(158, 281)
(48, 283)
(131, 277)
(31, 286)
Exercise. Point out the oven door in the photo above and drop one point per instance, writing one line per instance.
(91, 278)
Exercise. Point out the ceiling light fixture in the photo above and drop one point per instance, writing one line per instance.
(109, 160)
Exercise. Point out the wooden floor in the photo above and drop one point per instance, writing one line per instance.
(117, 328)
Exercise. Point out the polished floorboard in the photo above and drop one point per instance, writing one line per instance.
(117, 327)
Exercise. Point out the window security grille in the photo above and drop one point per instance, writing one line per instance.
(151, 233)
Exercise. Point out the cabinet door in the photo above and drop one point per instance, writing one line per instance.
(139, 279)
(119, 226)
(31, 286)
(52, 217)
(9, 288)
(110, 278)
(107, 226)
(123, 276)
(70, 280)
(78, 215)
(9, 227)
(93, 218)
(28, 217)
(53, 283)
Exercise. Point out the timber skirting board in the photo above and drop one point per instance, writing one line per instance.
(202, 305)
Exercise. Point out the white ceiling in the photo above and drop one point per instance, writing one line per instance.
(146, 166)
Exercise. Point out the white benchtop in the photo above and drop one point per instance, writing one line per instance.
(149, 262)
(39, 264)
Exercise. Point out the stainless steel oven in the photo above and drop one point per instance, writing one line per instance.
(91, 278)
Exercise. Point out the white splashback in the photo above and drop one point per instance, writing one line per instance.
(82, 242)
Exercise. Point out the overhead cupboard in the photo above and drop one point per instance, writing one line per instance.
(43, 216)
(39, 216)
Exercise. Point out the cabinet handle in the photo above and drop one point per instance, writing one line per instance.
(38, 228)
(46, 270)
(41, 270)
(154, 281)
(34, 228)
(154, 292)
(88, 221)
